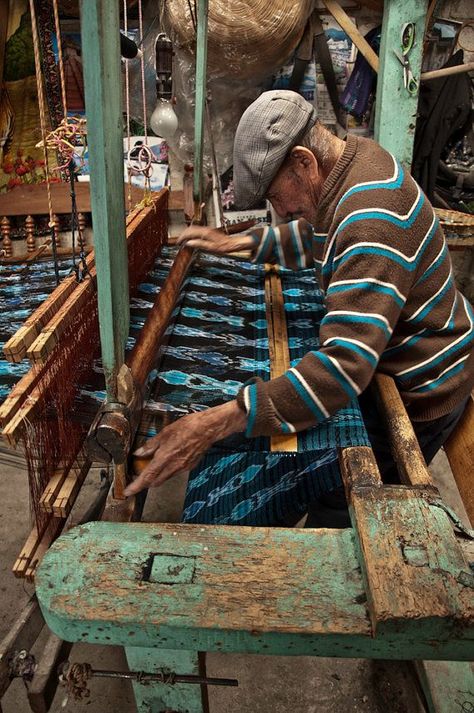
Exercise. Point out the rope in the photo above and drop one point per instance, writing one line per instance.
(60, 57)
(74, 677)
(41, 102)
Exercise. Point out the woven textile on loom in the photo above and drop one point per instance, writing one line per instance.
(218, 340)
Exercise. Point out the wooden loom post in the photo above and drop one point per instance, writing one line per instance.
(102, 85)
(395, 110)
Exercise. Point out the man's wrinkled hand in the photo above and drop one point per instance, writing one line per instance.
(214, 241)
(180, 446)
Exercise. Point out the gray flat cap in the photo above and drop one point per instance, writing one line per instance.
(268, 129)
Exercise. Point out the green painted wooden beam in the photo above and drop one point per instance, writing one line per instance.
(395, 113)
(103, 95)
(249, 590)
(201, 71)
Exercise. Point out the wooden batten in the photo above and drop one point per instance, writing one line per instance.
(52, 489)
(277, 345)
(17, 396)
(44, 344)
(24, 558)
(17, 346)
(70, 486)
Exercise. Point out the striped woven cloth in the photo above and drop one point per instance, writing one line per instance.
(217, 342)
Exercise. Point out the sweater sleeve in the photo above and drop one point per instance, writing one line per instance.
(288, 244)
(369, 282)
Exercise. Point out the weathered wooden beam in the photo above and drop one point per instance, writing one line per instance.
(351, 30)
(411, 561)
(180, 587)
(448, 685)
(405, 448)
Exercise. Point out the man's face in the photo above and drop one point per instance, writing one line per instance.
(294, 191)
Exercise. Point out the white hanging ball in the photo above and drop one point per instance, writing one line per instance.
(164, 121)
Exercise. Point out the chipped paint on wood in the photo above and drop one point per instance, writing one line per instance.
(256, 590)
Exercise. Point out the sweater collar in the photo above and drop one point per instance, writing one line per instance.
(332, 181)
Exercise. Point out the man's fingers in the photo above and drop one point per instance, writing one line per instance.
(148, 448)
(144, 480)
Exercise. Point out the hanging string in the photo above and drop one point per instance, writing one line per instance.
(142, 73)
(127, 107)
(60, 58)
(79, 268)
(41, 102)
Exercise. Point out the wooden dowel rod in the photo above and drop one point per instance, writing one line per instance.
(447, 71)
(405, 448)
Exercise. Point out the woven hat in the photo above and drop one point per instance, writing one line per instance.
(267, 131)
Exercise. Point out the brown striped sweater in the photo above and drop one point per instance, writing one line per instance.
(390, 296)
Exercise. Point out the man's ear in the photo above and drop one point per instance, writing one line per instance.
(304, 160)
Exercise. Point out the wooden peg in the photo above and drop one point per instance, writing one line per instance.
(5, 230)
(30, 233)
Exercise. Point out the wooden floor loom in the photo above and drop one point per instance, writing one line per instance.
(61, 340)
(394, 564)
(397, 584)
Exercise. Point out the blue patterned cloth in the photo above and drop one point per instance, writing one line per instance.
(218, 341)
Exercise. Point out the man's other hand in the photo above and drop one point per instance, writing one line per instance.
(214, 241)
(180, 446)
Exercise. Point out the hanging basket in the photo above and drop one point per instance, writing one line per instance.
(246, 38)
(456, 224)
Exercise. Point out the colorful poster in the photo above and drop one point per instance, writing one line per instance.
(20, 160)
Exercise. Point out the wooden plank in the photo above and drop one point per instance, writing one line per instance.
(43, 687)
(406, 451)
(396, 108)
(277, 346)
(350, 28)
(459, 449)
(304, 593)
(69, 490)
(22, 635)
(35, 197)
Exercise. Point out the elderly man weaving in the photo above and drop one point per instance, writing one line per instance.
(380, 255)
